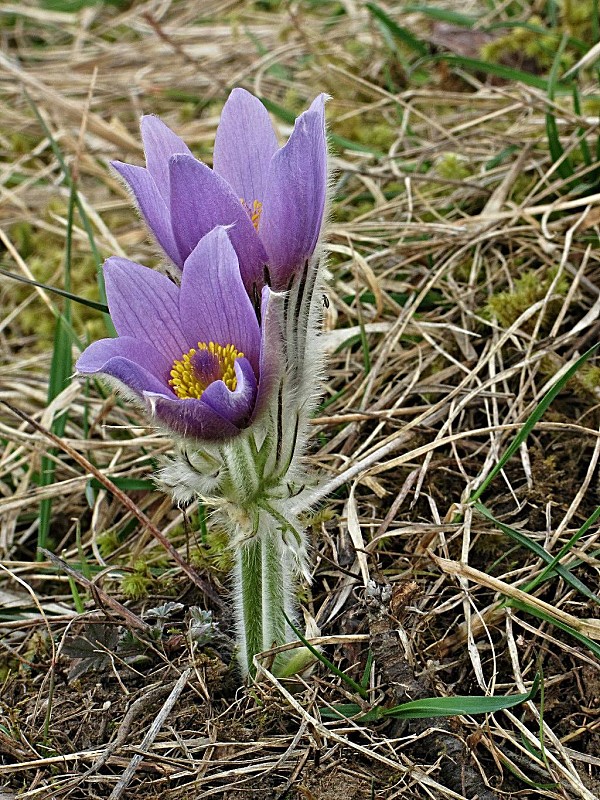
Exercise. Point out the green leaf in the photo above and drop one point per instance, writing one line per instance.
(538, 550)
(347, 710)
(431, 707)
(554, 564)
(55, 290)
(497, 70)
(459, 705)
(401, 34)
(356, 687)
(443, 15)
(533, 419)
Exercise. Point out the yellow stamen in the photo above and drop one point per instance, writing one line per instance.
(254, 212)
(188, 383)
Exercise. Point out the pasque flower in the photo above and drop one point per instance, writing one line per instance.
(273, 198)
(194, 354)
(224, 352)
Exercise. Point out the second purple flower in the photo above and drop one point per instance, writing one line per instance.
(273, 198)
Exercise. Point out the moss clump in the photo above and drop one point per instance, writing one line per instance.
(576, 19)
(528, 289)
(521, 45)
(589, 377)
(214, 553)
(137, 584)
(108, 542)
(453, 166)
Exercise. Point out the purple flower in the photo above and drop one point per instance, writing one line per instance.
(194, 354)
(273, 198)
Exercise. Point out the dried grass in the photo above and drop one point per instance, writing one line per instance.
(423, 241)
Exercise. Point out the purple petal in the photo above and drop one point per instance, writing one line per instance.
(152, 206)
(145, 305)
(213, 303)
(272, 360)
(201, 200)
(190, 418)
(160, 143)
(236, 406)
(244, 145)
(136, 364)
(295, 197)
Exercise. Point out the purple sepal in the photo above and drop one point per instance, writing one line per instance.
(152, 206)
(294, 204)
(213, 303)
(135, 364)
(160, 143)
(202, 200)
(158, 322)
(244, 145)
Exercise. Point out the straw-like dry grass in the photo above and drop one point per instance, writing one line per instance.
(463, 281)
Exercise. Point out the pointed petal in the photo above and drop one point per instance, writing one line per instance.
(244, 145)
(213, 303)
(136, 364)
(152, 206)
(236, 406)
(295, 196)
(272, 358)
(190, 418)
(160, 143)
(144, 305)
(201, 200)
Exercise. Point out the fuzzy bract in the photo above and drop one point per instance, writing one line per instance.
(273, 198)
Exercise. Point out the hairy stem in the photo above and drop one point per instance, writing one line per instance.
(264, 579)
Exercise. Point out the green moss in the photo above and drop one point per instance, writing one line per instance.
(108, 542)
(576, 19)
(215, 553)
(453, 166)
(522, 42)
(137, 584)
(528, 289)
(589, 377)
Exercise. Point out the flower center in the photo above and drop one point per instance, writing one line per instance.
(201, 366)
(254, 212)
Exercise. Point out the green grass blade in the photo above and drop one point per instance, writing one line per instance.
(497, 70)
(564, 168)
(591, 520)
(82, 213)
(459, 705)
(538, 550)
(533, 419)
(356, 687)
(431, 707)
(593, 646)
(399, 33)
(61, 368)
(443, 15)
(347, 710)
(55, 290)
(364, 681)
